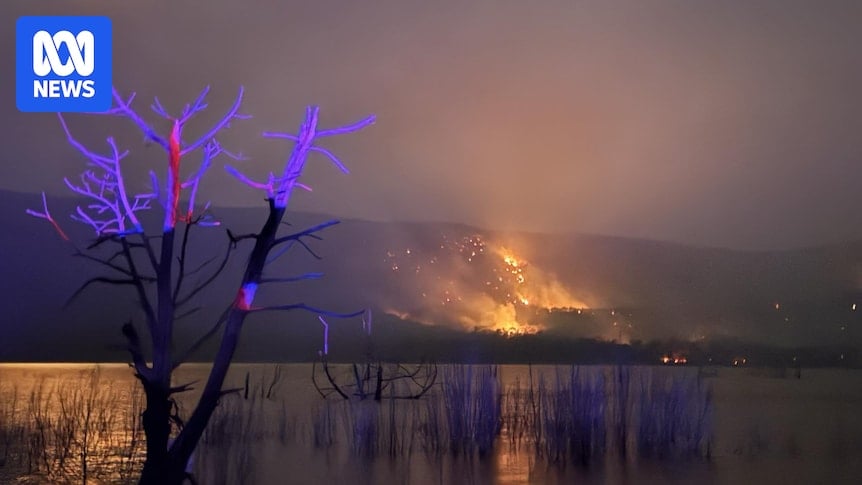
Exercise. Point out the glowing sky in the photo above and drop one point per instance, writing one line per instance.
(733, 123)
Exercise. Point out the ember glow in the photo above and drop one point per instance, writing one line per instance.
(476, 283)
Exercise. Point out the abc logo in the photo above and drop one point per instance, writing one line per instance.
(81, 58)
(46, 59)
(63, 64)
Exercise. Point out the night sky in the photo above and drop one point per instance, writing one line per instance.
(733, 123)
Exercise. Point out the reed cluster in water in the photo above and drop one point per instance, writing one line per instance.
(576, 415)
(89, 429)
(72, 430)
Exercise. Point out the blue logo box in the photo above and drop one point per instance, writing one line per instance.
(63, 64)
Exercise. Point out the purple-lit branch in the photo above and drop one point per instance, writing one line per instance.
(332, 157)
(212, 150)
(188, 111)
(124, 108)
(45, 214)
(325, 334)
(348, 128)
(223, 123)
(104, 163)
(157, 189)
(366, 321)
(366, 326)
(104, 205)
(107, 189)
(279, 188)
(111, 195)
(251, 183)
(159, 109)
(206, 219)
(198, 106)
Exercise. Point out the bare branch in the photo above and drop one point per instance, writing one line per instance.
(303, 306)
(231, 245)
(280, 188)
(139, 286)
(244, 179)
(196, 107)
(223, 123)
(45, 214)
(202, 340)
(310, 232)
(124, 108)
(332, 157)
(121, 188)
(188, 313)
(159, 109)
(303, 277)
(182, 261)
(183, 387)
(325, 334)
(235, 239)
(145, 244)
(353, 127)
(366, 321)
(98, 160)
(108, 189)
(329, 377)
(227, 392)
(99, 279)
(115, 267)
(202, 266)
(212, 150)
(309, 250)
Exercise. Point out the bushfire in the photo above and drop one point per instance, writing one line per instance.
(477, 283)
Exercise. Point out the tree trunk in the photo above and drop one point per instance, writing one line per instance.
(182, 449)
(157, 427)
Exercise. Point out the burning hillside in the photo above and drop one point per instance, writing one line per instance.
(476, 282)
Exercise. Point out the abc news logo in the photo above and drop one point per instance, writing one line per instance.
(46, 59)
(63, 64)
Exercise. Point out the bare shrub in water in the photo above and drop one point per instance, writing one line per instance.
(11, 432)
(76, 430)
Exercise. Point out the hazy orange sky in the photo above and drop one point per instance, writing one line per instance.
(732, 123)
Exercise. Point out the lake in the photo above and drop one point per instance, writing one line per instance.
(505, 425)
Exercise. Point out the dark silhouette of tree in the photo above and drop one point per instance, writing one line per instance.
(154, 264)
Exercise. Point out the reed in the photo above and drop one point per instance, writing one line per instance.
(77, 430)
(472, 402)
(674, 416)
(87, 429)
(572, 416)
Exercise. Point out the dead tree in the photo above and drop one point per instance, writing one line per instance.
(375, 380)
(154, 264)
(372, 378)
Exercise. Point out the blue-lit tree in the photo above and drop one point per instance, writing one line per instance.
(153, 263)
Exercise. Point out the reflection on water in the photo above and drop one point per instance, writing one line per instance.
(764, 428)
